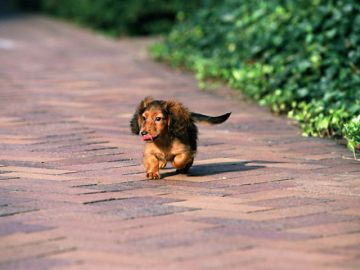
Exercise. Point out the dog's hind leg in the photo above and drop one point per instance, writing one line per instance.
(185, 169)
(183, 162)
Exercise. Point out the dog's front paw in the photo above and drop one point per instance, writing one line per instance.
(162, 164)
(153, 175)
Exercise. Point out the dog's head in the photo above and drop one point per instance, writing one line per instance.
(158, 118)
(151, 119)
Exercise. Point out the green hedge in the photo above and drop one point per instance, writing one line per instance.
(300, 57)
(116, 17)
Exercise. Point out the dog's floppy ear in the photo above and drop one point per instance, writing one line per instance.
(179, 119)
(136, 120)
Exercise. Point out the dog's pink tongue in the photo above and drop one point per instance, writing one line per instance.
(147, 137)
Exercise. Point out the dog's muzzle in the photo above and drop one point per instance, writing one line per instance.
(145, 136)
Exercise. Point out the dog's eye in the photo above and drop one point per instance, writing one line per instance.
(157, 119)
(144, 118)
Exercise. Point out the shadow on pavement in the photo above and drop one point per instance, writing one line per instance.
(222, 167)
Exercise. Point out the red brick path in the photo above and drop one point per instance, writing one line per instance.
(72, 189)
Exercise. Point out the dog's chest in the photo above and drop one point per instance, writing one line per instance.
(164, 156)
(167, 153)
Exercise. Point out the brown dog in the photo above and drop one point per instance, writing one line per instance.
(170, 132)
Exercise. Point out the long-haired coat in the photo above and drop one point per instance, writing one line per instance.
(170, 133)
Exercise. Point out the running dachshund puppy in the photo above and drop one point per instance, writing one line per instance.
(170, 133)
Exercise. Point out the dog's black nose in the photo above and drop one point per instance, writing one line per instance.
(143, 133)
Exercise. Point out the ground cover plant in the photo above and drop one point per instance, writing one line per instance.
(297, 57)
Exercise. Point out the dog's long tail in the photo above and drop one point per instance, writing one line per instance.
(213, 120)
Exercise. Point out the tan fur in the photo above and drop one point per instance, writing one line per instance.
(176, 152)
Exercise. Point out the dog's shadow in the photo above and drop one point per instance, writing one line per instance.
(221, 167)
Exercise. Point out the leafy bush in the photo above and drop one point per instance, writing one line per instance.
(300, 57)
(115, 17)
(352, 134)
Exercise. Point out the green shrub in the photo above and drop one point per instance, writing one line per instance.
(300, 57)
(114, 17)
(352, 134)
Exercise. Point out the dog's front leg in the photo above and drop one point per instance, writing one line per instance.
(152, 166)
(162, 164)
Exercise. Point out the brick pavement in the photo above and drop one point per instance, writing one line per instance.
(72, 188)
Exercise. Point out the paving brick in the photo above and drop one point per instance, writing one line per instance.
(285, 258)
(333, 229)
(105, 259)
(14, 227)
(34, 263)
(35, 170)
